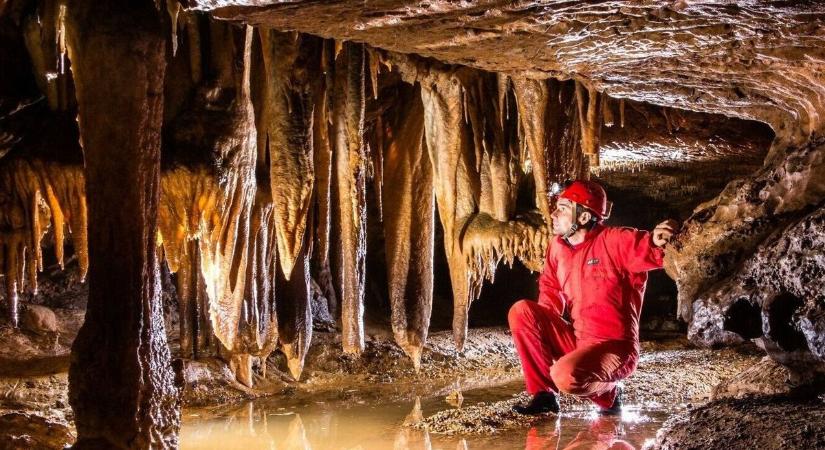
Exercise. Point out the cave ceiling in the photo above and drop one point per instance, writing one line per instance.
(746, 59)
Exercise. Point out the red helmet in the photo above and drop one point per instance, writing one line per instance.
(588, 194)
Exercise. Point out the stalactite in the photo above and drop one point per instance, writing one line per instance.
(40, 195)
(173, 8)
(621, 112)
(44, 34)
(322, 160)
(607, 112)
(213, 205)
(487, 241)
(409, 225)
(350, 162)
(194, 40)
(288, 124)
(547, 111)
(258, 325)
(375, 149)
(456, 182)
(534, 98)
(374, 67)
(591, 123)
(295, 312)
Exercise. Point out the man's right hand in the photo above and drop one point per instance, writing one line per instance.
(664, 231)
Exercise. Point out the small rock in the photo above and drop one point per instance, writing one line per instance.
(39, 320)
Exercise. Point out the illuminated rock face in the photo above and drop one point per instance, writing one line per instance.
(759, 61)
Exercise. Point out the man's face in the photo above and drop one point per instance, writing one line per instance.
(562, 216)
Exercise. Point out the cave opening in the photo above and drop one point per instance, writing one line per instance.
(343, 225)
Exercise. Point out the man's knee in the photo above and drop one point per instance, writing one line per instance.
(521, 315)
(567, 379)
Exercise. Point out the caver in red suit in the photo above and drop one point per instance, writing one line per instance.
(582, 335)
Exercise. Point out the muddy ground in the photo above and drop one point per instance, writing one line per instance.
(668, 372)
(34, 409)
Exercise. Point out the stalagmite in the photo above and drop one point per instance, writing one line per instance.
(349, 177)
(409, 224)
(288, 124)
(120, 358)
(295, 312)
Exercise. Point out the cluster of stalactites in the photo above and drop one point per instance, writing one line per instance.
(267, 162)
(38, 196)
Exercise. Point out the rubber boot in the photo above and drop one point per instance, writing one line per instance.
(541, 403)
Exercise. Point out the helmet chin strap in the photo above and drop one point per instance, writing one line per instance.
(573, 228)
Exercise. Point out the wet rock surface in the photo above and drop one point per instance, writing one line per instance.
(768, 422)
(670, 376)
(26, 431)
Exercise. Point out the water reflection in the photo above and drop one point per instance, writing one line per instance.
(409, 437)
(602, 433)
(366, 425)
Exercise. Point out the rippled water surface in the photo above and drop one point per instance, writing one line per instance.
(358, 424)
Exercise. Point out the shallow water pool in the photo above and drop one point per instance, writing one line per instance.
(278, 423)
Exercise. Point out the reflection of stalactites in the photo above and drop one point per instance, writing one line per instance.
(295, 312)
(288, 124)
(590, 121)
(410, 436)
(409, 225)
(39, 196)
(296, 436)
(349, 176)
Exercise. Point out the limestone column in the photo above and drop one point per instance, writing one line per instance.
(120, 380)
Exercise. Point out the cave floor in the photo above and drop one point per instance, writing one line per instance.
(361, 408)
(370, 401)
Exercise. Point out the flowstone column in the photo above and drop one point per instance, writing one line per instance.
(120, 379)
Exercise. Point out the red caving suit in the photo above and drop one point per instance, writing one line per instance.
(600, 283)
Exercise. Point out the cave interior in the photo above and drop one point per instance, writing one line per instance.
(336, 203)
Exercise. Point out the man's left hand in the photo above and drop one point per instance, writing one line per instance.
(664, 231)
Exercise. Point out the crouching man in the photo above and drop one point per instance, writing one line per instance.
(582, 336)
